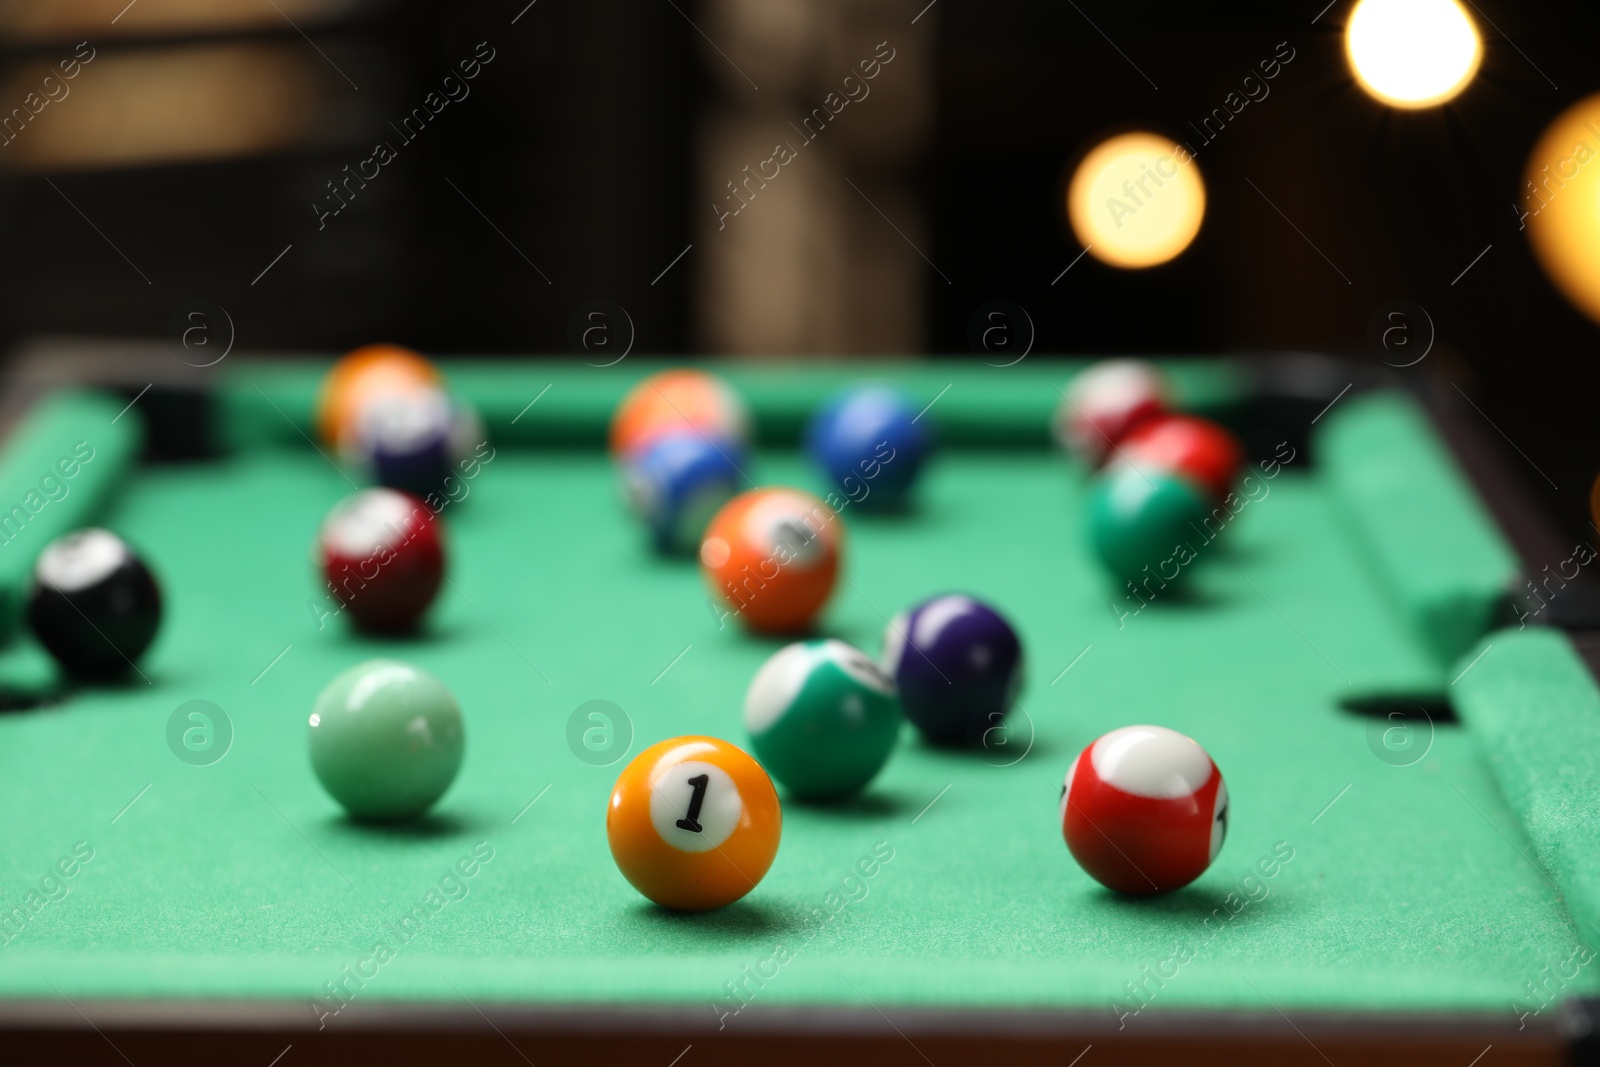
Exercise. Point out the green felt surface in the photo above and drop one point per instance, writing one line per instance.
(1446, 567)
(1406, 889)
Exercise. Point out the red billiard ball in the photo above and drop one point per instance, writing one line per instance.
(1193, 448)
(1144, 810)
(382, 555)
(1104, 403)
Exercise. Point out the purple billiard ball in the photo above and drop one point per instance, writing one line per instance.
(958, 665)
(412, 440)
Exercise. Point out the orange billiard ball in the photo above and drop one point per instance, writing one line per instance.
(358, 377)
(677, 400)
(772, 555)
(694, 823)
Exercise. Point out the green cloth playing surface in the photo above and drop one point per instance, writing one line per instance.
(1409, 887)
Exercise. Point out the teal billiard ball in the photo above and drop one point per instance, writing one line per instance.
(385, 740)
(1146, 524)
(823, 718)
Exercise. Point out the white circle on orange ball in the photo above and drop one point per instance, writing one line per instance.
(695, 806)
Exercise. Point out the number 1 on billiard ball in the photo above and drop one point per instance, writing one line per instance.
(692, 822)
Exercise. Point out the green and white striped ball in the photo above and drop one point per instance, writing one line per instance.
(823, 718)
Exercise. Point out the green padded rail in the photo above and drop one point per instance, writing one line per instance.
(71, 431)
(1434, 547)
(974, 404)
(1536, 711)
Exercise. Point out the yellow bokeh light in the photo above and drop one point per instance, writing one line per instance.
(1136, 200)
(1412, 53)
(1559, 203)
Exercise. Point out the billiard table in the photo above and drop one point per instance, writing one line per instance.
(1379, 647)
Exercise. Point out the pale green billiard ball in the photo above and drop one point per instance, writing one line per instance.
(386, 740)
(823, 718)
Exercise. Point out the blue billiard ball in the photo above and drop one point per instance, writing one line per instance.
(679, 481)
(871, 445)
(957, 664)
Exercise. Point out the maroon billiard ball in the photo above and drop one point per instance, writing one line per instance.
(1144, 810)
(1104, 403)
(1196, 449)
(382, 555)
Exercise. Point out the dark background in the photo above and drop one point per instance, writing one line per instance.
(577, 153)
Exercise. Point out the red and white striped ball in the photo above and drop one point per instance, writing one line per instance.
(1144, 810)
(1196, 449)
(1104, 403)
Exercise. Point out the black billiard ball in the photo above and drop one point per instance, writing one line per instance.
(93, 604)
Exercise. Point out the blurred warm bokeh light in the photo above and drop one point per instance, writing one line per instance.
(167, 105)
(1412, 53)
(1559, 203)
(1136, 200)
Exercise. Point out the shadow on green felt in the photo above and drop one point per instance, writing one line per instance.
(900, 513)
(14, 701)
(434, 826)
(738, 923)
(1240, 550)
(1189, 907)
(1021, 746)
(770, 643)
(428, 632)
(61, 689)
(870, 806)
(1184, 594)
(651, 558)
(868, 639)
